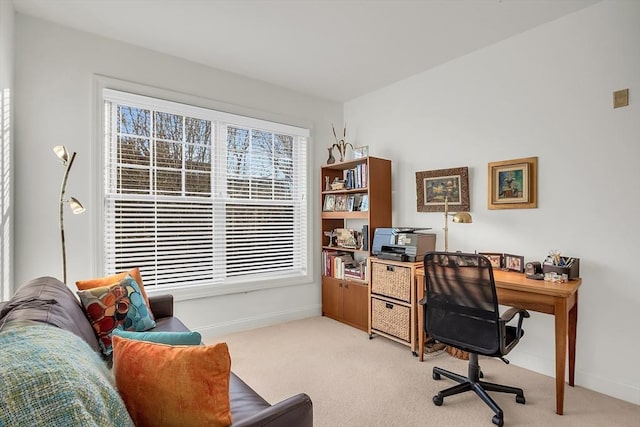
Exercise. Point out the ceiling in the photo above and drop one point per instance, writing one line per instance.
(334, 49)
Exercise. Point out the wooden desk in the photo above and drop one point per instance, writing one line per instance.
(558, 299)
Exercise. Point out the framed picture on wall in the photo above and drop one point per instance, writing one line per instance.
(513, 184)
(432, 187)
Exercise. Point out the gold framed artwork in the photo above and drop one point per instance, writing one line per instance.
(513, 184)
(433, 186)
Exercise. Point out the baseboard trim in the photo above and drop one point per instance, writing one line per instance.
(268, 319)
(585, 379)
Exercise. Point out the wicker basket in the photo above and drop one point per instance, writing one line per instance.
(457, 353)
(391, 280)
(393, 319)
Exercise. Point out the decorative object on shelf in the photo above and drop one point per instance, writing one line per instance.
(346, 238)
(330, 234)
(76, 206)
(361, 152)
(494, 258)
(331, 159)
(433, 187)
(513, 263)
(513, 184)
(461, 217)
(327, 184)
(341, 203)
(364, 203)
(341, 144)
(329, 203)
(337, 184)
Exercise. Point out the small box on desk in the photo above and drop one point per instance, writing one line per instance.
(572, 271)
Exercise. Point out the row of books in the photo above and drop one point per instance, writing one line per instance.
(341, 265)
(356, 177)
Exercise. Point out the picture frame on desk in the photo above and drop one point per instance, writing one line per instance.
(494, 258)
(513, 263)
(513, 184)
(432, 187)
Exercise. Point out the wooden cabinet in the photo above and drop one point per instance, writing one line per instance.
(343, 300)
(393, 307)
(356, 210)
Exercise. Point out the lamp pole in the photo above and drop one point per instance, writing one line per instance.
(446, 223)
(63, 188)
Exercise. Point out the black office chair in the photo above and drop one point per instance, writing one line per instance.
(461, 310)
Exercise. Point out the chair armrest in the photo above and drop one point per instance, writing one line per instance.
(294, 411)
(508, 315)
(161, 305)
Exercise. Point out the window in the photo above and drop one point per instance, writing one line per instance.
(197, 197)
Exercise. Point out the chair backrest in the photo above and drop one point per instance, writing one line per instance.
(462, 307)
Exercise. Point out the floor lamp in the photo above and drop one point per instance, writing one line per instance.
(76, 206)
(461, 217)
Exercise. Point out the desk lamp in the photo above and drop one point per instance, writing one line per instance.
(461, 217)
(76, 206)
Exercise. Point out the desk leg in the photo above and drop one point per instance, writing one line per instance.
(573, 326)
(421, 332)
(562, 322)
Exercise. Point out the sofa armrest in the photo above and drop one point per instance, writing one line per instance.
(161, 305)
(294, 411)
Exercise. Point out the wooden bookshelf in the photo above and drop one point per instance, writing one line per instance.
(346, 298)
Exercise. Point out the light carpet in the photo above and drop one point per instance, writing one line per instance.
(355, 381)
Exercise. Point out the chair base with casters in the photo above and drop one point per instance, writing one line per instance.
(472, 382)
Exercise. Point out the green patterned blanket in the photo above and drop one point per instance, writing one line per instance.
(49, 376)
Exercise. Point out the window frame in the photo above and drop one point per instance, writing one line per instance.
(229, 114)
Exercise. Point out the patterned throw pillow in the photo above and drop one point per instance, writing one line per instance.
(173, 385)
(83, 285)
(120, 305)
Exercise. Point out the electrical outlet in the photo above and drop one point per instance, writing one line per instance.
(620, 98)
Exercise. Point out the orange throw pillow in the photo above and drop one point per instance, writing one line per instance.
(164, 385)
(84, 285)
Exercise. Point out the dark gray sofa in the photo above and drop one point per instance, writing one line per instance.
(48, 300)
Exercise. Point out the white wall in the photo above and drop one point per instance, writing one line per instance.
(545, 93)
(55, 105)
(6, 146)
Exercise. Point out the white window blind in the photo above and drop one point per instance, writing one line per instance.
(199, 197)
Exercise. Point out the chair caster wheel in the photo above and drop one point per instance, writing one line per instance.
(497, 421)
(520, 399)
(437, 400)
(435, 376)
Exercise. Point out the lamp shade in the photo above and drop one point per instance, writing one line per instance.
(463, 217)
(76, 206)
(61, 152)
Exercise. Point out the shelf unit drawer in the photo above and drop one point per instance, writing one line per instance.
(391, 318)
(391, 280)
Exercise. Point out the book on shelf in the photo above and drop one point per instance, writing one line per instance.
(355, 177)
(340, 265)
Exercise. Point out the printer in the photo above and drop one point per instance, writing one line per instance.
(402, 243)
